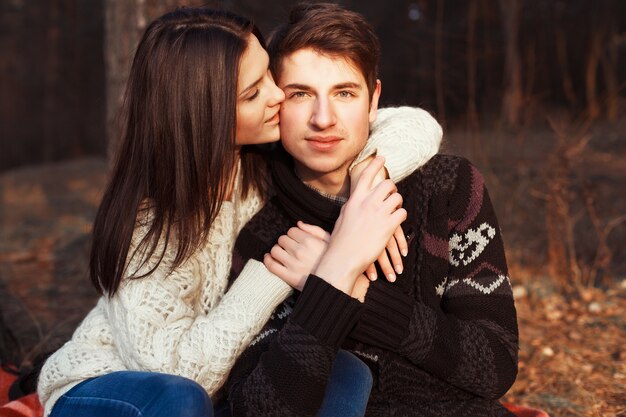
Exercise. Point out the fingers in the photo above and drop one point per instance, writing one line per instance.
(316, 231)
(399, 216)
(383, 190)
(370, 272)
(279, 254)
(400, 238)
(367, 177)
(385, 266)
(394, 254)
(281, 271)
(274, 266)
(392, 203)
(287, 243)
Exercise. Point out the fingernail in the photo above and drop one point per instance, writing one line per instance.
(404, 252)
(399, 269)
(392, 277)
(373, 277)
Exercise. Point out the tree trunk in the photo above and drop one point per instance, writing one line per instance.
(512, 102)
(472, 111)
(591, 75)
(51, 99)
(125, 21)
(439, 63)
(561, 52)
(609, 66)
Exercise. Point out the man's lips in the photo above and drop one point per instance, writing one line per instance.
(323, 143)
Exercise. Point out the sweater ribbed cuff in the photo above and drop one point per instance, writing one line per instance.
(326, 312)
(385, 321)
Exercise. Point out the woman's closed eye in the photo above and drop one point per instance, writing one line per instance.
(253, 94)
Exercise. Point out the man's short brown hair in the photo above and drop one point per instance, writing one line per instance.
(330, 30)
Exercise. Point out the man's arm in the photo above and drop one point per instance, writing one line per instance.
(469, 338)
(407, 137)
(288, 377)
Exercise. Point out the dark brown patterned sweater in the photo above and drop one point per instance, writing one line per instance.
(441, 341)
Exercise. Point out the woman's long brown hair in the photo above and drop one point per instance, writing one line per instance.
(177, 151)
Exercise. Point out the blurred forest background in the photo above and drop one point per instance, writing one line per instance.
(533, 92)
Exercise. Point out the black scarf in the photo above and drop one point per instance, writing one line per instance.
(300, 201)
(293, 201)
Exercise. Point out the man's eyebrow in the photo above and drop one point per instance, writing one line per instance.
(296, 86)
(341, 86)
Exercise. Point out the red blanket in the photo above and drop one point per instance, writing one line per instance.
(27, 406)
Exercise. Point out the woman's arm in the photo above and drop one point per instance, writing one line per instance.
(88, 354)
(158, 327)
(183, 322)
(406, 136)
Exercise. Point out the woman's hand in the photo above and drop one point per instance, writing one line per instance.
(389, 260)
(366, 223)
(297, 253)
(361, 285)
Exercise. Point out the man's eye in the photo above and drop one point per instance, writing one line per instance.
(345, 94)
(297, 94)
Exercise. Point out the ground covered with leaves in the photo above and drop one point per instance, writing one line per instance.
(572, 359)
(572, 348)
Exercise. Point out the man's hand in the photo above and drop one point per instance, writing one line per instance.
(389, 260)
(366, 222)
(297, 253)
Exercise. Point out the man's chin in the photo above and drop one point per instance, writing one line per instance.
(319, 167)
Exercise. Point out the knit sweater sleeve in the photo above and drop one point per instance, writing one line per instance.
(288, 376)
(152, 326)
(90, 353)
(406, 136)
(157, 326)
(464, 329)
(183, 321)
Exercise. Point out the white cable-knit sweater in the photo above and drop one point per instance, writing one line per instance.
(184, 322)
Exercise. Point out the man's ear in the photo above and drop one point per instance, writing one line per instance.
(374, 102)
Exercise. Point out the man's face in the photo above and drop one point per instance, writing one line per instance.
(324, 120)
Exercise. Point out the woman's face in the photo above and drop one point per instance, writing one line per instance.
(258, 98)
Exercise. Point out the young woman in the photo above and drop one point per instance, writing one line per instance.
(166, 332)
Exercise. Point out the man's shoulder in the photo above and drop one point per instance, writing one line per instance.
(441, 170)
(442, 161)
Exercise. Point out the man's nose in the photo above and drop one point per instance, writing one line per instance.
(323, 115)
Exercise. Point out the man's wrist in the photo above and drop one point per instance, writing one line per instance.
(336, 272)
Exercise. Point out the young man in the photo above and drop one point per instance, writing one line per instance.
(442, 339)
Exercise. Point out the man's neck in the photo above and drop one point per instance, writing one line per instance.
(336, 183)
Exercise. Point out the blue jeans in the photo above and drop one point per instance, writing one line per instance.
(348, 388)
(147, 394)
